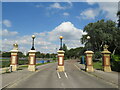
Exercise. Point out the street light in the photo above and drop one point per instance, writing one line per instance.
(61, 37)
(33, 37)
(88, 38)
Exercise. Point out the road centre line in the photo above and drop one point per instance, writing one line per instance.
(66, 75)
(58, 75)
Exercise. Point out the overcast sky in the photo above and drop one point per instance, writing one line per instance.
(49, 20)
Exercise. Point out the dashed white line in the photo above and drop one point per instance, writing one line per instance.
(66, 75)
(58, 75)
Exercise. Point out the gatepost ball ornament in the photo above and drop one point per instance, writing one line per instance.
(15, 46)
(61, 37)
(88, 37)
(33, 36)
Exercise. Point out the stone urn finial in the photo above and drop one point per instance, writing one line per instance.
(105, 47)
(15, 46)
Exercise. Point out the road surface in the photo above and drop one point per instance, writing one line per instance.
(73, 77)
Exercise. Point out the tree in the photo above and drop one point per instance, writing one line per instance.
(37, 54)
(101, 32)
(6, 54)
(20, 54)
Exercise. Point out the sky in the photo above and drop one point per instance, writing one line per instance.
(49, 20)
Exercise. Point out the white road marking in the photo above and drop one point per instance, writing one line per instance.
(77, 67)
(66, 75)
(58, 75)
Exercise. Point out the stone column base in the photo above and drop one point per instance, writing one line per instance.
(31, 67)
(89, 69)
(107, 68)
(14, 67)
(61, 69)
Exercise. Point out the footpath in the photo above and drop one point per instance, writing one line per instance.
(111, 77)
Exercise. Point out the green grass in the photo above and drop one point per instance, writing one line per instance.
(97, 65)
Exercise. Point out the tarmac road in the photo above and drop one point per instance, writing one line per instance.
(73, 77)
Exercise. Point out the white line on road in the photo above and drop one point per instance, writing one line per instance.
(58, 75)
(76, 66)
(66, 75)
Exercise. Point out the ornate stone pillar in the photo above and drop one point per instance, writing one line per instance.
(60, 61)
(89, 62)
(106, 59)
(14, 57)
(32, 60)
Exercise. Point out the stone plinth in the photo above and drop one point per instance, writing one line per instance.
(32, 60)
(14, 60)
(60, 67)
(89, 62)
(106, 61)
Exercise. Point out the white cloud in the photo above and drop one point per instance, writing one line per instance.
(66, 14)
(89, 13)
(47, 42)
(7, 23)
(110, 8)
(6, 32)
(57, 5)
(70, 33)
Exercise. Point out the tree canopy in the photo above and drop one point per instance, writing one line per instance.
(102, 32)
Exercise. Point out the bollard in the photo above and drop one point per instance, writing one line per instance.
(10, 68)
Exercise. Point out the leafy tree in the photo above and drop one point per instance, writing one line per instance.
(37, 54)
(6, 54)
(66, 50)
(20, 54)
(102, 32)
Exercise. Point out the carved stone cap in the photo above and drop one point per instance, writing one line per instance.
(14, 51)
(60, 51)
(107, 52)
(89, 52)
(105, 47)
(32, 51)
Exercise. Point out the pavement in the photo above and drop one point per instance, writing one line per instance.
(47, 77)
(111, 77)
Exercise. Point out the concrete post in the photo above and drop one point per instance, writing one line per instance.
(32, 60)
(89, 62)
(60, 61)
(106, 59)
(14, 58)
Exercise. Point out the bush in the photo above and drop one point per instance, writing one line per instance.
(115, 63)
(97, 55)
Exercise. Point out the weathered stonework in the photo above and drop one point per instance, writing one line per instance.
(89, 62)
(32, 60)
(106, 61)
(60, 67)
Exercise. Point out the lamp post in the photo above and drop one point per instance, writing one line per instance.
(60, 55)
(88, 38)
(61, 37)
(33, 37)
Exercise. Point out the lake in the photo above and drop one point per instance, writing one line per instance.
(37, 60)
